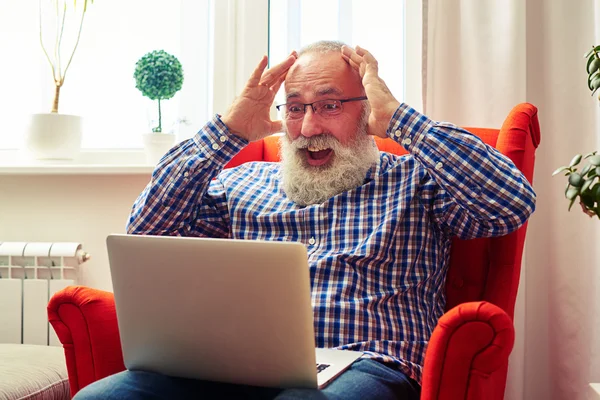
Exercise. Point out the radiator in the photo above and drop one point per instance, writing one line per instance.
(30, 273)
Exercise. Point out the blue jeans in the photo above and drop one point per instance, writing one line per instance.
(365, 379)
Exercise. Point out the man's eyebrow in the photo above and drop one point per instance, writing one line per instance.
(319, 93)
(327, 91)
(292, 95)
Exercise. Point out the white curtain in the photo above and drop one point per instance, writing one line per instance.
(480, 58)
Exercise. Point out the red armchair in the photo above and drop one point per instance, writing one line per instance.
(467, 356)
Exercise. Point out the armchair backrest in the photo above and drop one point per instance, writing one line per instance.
(480, 269)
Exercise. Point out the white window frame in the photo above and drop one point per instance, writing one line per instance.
(241, 32)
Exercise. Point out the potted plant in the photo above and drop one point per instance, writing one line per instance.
(53, 135)
(159, 76)
(584, 184)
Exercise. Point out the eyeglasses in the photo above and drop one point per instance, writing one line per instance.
(325, 108)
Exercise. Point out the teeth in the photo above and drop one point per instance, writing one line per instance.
(315, 148)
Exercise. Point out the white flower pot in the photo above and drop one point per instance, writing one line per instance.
(157, 145)
(54, 136)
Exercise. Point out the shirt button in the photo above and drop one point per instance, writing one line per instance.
(439, 166)
(406, 141)
(223, 139)
(185, 174)
(215, 146)
(398, 133)
(312, 240)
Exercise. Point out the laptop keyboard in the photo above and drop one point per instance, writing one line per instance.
(322, 367)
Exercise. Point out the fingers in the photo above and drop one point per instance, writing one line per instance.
(351, 56)
(359, 58)
(368, 57)
(256, 75)
(275, 87)
(274, 74)
(352, 63)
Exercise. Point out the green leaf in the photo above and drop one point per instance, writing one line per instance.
(572, 193)
(594, 65)
(586, 185)
(576, 160)
(559, 170)
(595, 160)
(575, 179)
(586, 169)
(595, 85)
(571, 203)
(588, 155)
(591, 78)
(589, 53)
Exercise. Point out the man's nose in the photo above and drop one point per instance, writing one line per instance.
(311, 124)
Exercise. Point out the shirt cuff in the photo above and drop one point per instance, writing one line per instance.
(408, 127)
(216, 142)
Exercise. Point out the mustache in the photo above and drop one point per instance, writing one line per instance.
(321, 141)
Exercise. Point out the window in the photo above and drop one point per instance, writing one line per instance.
(218, 43)
(376, 25)
(99, 83)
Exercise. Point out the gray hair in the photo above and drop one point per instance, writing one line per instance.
(325, 47)
(322, 47)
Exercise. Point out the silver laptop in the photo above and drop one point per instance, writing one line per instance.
(223, 310)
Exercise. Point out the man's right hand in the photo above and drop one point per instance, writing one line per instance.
(249, 115)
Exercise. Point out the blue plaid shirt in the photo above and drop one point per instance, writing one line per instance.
(378, 254)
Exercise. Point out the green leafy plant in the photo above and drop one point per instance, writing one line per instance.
(158, 75)
(55, 60)
(584, 184)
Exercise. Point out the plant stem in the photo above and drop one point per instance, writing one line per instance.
(159, 129)
(74, 48)
(62, 29)
(42, 44)
(57, 33)
(55, 103)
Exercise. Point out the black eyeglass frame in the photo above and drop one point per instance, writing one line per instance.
(342, 101)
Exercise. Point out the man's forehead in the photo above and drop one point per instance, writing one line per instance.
(323, 91)
(321, 75)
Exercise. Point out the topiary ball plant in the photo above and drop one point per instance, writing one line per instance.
(158, 75)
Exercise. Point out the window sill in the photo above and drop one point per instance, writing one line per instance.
(90, 162)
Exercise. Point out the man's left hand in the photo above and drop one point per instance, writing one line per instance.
(383, 103)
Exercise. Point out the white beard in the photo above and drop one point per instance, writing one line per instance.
(305, 184)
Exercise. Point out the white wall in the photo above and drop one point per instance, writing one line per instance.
(86, 208)
(78, 208)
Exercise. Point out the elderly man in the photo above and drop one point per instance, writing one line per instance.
(377, 227)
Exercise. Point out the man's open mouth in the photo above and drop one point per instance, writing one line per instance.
(316, 156)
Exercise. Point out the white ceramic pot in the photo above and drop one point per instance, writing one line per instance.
(54, 136)
(157, 145)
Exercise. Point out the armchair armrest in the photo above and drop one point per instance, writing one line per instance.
(467, 353)
(85, 322)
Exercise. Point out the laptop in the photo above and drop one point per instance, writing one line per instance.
(225, 310)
